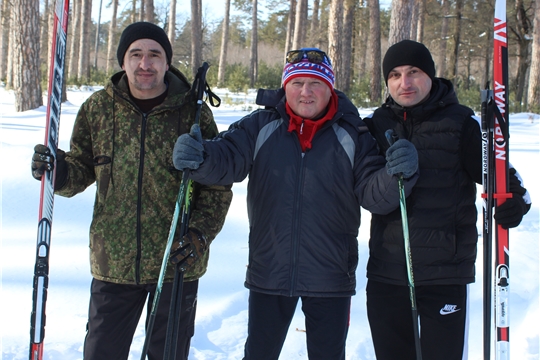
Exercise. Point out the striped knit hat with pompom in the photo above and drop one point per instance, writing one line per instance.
(304, 67)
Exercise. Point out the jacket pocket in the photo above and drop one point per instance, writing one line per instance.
(353, 256)
(103, 170)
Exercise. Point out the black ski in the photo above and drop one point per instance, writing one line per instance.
(46, 200)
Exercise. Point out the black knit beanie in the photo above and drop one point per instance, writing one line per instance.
(143, 30)
(408, 52)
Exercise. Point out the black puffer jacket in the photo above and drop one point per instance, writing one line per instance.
(303, 208)
(441, 208)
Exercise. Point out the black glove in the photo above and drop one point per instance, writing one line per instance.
(510, 213)
(189, 249)
(402, 158)
(188, 152)
(43, 160)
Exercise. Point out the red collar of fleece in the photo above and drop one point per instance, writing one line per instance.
(306, 128)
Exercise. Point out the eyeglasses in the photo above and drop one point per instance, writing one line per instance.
(314, 56)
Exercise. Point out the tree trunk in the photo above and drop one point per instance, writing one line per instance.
(11, 52)
(253, 58)
(50, 34)
(421, 4)
(400, 21)
(171, 31)
(26, 80)
(414, 20)
(375, 51)
(314, 27)
(149, 11)
(44, 36)
(335, 21)
(441, 59)
(224, 43)
(290, 26)
(196, 35)
(300, 22)
(362, 34)
(83, 73)
(347, 48)
(111, 46)
(457, 41)
(98, 28)
(142, 11)
(133, 11)
(522, 31)
(488, 58)
(75, 40)
(5, 15)
(533, 92)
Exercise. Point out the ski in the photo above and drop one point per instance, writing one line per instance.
(501, 162)
(46, 202)
(495, 136)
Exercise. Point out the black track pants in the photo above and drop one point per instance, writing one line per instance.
(114, 313)
(327, 324)
(443, 321)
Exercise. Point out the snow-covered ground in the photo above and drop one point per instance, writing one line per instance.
(222, 310)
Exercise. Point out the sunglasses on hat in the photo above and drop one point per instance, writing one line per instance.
(314, 56)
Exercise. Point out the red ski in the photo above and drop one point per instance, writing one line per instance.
(495, 133)
(502, 266)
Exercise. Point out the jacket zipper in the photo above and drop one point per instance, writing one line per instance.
(139, 200)
(296, 229)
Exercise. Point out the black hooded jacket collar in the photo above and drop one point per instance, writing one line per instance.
(442, 95)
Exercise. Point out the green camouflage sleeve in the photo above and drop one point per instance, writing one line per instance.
(209, 210)
(79, 158)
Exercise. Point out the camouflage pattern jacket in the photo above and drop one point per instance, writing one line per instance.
(129, 156)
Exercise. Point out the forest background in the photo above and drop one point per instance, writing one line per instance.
(245, 46)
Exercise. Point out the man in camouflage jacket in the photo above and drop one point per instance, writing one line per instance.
(123, 140)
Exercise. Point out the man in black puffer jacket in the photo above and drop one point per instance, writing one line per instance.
(441, 212)
(311, 164)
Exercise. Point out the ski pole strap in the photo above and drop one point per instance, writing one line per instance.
(214, 100)
(200, 86)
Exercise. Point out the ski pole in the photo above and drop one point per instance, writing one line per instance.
(391, 137)
(182, 204)
(487, 118)
(176, 302)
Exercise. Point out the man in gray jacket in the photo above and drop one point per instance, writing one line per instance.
(311, 164)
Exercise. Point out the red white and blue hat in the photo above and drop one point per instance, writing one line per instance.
(304, 67)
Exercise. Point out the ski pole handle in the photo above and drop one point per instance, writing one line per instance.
(391, 136)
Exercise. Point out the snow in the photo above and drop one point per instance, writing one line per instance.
(221, 322)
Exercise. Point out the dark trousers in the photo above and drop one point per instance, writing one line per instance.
(327, 324)
(443, 321)
(114, 313)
